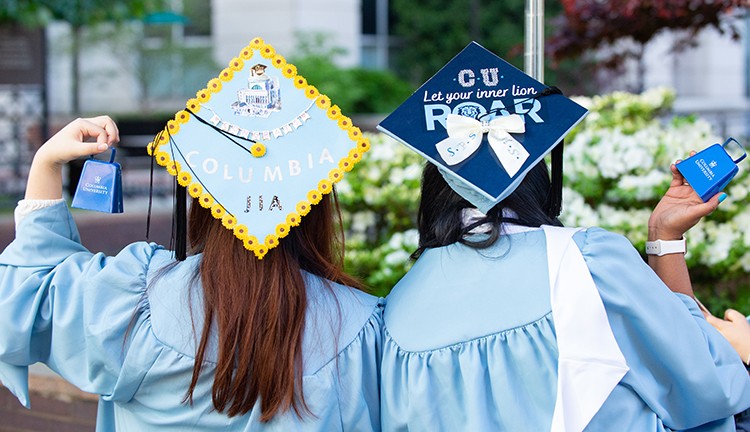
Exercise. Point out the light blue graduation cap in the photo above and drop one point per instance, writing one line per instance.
(484, 123)
(259, 146)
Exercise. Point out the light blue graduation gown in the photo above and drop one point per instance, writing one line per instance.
(470, 344)
(71, 309)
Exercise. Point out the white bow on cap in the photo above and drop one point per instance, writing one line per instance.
(465, 136)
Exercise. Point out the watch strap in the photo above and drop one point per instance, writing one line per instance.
(664, 247)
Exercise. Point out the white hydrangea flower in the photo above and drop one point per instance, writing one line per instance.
(396, 241)
(411, 239)
(576, 212)
(361, 221)
(343, 187)
(721, 237)
(737, 191)
(371, 195)
(644, 186)
(397, 257)
(412, 172)
(373, 173)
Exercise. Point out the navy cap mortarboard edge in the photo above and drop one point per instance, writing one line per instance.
(484, 123)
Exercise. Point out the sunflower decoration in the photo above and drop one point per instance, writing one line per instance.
(193, 105)
(289, 70)
(195, 190)
(300, 82)
(258, 150)
(228, 221)
(184, 178)
(227, 74)
(214, 85)
(258, 147)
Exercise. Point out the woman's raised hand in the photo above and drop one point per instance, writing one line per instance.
(679, 209)
(81, 137)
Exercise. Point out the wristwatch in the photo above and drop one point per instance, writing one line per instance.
(664, 247)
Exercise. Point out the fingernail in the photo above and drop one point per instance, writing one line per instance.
(722, 197)
(102, 146)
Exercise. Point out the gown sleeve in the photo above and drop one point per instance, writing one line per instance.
(681, 367)
(70, 309)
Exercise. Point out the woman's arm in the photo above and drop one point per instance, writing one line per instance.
(681, 367)
(679, 210)
(61, 304)
(71, 142)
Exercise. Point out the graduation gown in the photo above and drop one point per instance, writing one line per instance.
(71, 309)
(472, 343)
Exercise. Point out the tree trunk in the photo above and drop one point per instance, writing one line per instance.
(641, 70)
(475, 31)
(76, 70)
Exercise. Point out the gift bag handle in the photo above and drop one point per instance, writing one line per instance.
(112, 156)
(727, 142)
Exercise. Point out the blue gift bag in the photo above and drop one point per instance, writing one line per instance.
(100, 186)
(710, 170)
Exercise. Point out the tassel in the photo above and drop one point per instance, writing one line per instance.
(554, 197)
(180, 228)
(150, 198)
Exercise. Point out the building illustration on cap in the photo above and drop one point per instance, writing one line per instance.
(261, 97)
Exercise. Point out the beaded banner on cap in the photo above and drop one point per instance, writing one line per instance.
(259, 146)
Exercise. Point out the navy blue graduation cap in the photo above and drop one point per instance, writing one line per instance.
(485, 124)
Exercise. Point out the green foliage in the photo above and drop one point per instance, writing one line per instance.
(354, 90)
(593, 24)
(76, 12)
(617, 168)
(26, 13)
(431, 32)
(380, 199)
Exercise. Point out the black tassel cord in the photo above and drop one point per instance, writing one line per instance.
(180, 224)
(179, 215)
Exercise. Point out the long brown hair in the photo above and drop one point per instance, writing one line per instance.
(257, 308)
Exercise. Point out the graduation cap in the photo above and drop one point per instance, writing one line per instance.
(485, 124)
(259, 146)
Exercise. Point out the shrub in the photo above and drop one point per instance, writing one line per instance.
(380, 199)
(355, 90)
(617, 168)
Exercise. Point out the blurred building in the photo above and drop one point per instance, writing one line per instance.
(154, 65)
(711, 79)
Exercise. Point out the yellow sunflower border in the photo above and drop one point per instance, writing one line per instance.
(195, 189)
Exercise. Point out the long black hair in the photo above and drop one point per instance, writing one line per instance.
(440, 210)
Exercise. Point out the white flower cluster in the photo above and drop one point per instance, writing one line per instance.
(617, 168)
(380, 198)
